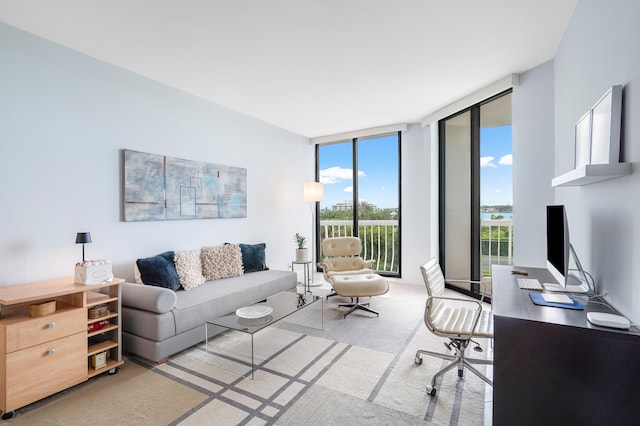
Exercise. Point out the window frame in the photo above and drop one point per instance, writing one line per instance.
(356, 228)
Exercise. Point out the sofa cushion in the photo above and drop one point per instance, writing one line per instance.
(189, 268)
(253, 257)
(221, 261)
(217, 298)
(159, 271)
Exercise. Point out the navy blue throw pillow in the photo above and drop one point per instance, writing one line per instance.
(159, 271)
(253, 257)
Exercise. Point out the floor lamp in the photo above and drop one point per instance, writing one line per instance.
(313, 193)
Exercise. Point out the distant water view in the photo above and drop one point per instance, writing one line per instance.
(505, 215)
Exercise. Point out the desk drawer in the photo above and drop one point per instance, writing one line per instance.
(33, 331)
(42, 370)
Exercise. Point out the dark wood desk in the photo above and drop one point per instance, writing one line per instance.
(552, 367)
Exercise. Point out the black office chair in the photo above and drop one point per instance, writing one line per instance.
(453, 318)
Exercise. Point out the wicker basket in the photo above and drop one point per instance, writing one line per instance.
(98, 311)
(42, 309)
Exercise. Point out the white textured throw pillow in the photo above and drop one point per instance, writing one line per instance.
(189, 268)
(222, 261)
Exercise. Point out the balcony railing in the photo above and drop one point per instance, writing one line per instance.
(380, 240)
(381, 243)
(496, 244)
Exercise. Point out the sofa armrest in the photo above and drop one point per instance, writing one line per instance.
(148, 298)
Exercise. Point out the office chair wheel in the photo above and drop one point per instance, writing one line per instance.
(418, 360)
(8, 415)
(431, 390)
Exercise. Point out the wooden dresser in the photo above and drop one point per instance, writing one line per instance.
(42, 355)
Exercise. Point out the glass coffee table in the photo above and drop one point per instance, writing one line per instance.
(254, 318)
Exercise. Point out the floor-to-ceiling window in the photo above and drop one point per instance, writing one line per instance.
(476, 223)
(361, 180)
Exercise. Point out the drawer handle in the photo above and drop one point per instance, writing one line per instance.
(52, 324)
(51, 351)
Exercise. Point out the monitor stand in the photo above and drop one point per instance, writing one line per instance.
(557, 288)
(581, 288)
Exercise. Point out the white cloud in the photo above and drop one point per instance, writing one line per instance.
(506, 160)
(487, 162)
(337, 174)
(348, 189)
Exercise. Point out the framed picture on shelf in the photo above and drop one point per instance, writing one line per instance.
(583, 140)
(606, 118)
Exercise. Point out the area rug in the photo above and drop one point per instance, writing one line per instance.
(357, 370)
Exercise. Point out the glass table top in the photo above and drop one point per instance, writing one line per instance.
(284, 304)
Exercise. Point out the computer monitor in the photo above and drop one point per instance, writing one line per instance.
(560, 252)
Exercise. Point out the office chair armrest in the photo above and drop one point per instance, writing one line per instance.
(457, 299)
(483, 287)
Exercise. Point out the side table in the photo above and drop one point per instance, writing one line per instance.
(306, 272)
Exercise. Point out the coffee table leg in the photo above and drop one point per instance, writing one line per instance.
(226, 361)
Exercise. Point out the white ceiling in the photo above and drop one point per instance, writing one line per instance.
(314, 67)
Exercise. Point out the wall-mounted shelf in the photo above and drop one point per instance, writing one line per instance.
(592, 173)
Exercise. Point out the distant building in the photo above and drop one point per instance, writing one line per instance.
(345, 205)
(348, 205)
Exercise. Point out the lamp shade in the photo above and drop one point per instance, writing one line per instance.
(313, 191)
(83, 237)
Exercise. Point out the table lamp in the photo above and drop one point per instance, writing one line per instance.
(83, 238)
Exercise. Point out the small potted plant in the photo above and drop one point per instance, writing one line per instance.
(302, 253)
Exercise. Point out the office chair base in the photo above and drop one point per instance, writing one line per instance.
(457, 360)
(357, 305)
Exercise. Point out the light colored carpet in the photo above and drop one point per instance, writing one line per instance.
(134, 395)
(358, 370)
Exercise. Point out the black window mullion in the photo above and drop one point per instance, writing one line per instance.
(475, 198)
(316, 225)
(399, 140)
(356, 226)
(441, 192)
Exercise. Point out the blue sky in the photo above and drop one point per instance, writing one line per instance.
(378, 170)
(496, 169)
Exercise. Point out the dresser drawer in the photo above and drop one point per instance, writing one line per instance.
(42, 370)
(33, 331)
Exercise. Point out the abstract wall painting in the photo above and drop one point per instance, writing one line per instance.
(158, 187)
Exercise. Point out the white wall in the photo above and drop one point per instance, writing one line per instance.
(533, 165)
(599, 49)
(65, 117)
(416, 195)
